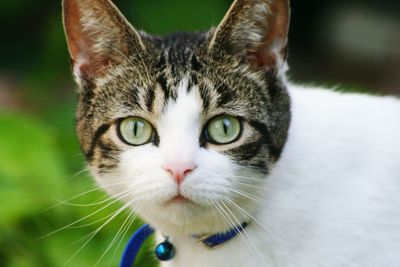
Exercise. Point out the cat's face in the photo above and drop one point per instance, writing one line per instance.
(184, 129)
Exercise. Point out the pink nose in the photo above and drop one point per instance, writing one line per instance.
(179, 171)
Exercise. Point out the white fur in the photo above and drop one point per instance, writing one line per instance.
(332, 199)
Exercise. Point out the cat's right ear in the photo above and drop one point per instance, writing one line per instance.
(99, 38)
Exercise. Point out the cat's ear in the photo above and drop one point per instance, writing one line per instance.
(256, 31)
(99, 37)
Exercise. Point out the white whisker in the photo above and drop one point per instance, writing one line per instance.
(94, 233)
(258, 253)
(232, 225)
(120, 230)
(255, 221)
(122, 194)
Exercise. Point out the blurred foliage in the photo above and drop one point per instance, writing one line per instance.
(51, 212)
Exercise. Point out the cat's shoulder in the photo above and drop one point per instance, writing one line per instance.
(333, 102)
(332, 94)
(325, 119)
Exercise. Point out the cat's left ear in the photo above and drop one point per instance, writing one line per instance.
(256, 31)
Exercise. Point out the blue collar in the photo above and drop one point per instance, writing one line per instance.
(214, 241)
(140, 236)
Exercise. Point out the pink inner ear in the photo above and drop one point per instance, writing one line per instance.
(80, 43)
(272, 52)
(271, 55)
(265, 58)
(73, 28)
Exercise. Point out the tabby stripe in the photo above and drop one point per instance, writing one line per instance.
(104, 168)
(225, 95)
(105, 150)
(97, 135)
(196, 65)
(161, 64)
(247, 151)
(275, 87)
(164, 86)
(132, 98)
(204, 94)
(249, 155)
(150, 99)
(263, 130)
(193, 81)
(260, 165)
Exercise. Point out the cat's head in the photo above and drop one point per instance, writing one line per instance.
(183, 128)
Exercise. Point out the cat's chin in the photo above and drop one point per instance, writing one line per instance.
(182, 216)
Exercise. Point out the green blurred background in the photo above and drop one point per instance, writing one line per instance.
(44, 186)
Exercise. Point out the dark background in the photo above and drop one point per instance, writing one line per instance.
(354, 44)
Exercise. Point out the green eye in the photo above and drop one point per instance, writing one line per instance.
(224, 129)
(135, 131)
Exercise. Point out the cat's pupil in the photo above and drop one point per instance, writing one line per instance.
(135, 128)
(225, 126)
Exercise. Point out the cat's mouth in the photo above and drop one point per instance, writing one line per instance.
(179, 198)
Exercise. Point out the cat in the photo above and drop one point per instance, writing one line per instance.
(200, 133)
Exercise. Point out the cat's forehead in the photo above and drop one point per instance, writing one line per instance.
(177, 57)
(179, 51)
(178, 64)
(221, 81)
